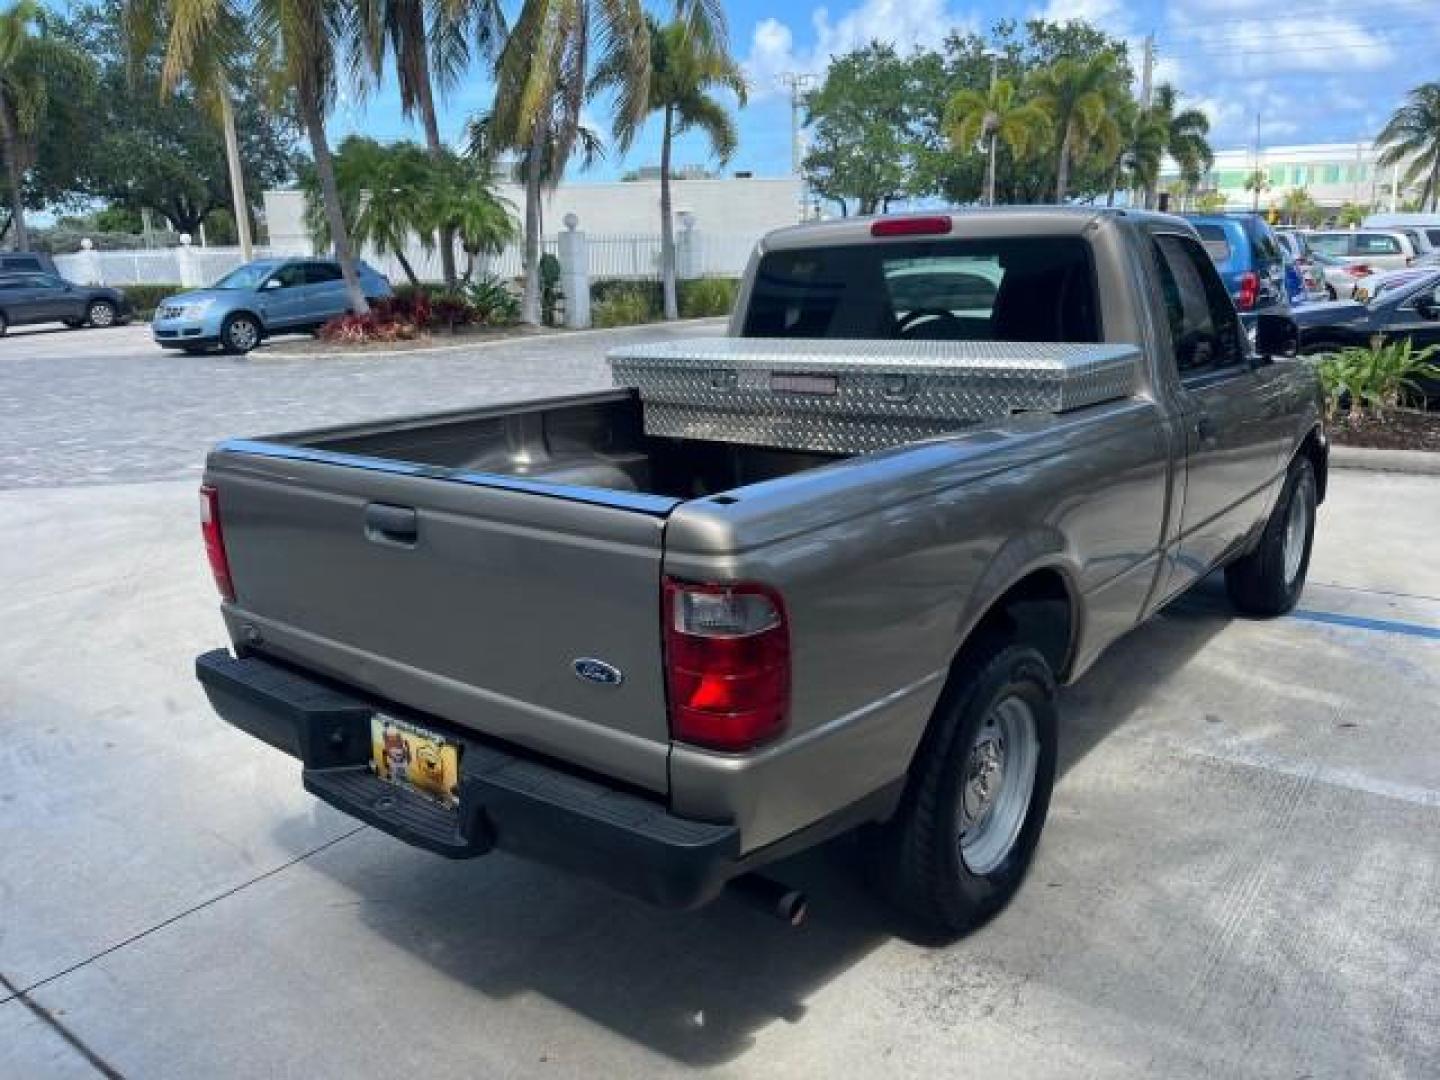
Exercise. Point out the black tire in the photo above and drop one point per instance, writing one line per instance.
(4, 324)
(240, 333)
(919, 860)
(1265, 582)
(101, 314)
(1330, 290)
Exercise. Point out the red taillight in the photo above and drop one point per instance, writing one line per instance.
(215, 541)
(1358, 270)
(727, 663)
(1249, 291)
(927, 225)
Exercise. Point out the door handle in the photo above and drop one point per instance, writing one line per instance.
(1205, 429)
(386, 524)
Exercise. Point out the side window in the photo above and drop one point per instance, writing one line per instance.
(21, 263)
(1204, 329)
(318, 273)
(1377, 245)
(291, 275)
(1337, 244)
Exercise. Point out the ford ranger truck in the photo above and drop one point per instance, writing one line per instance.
(664, 642)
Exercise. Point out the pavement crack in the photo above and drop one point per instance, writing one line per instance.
(55, 1024)
(140, 935)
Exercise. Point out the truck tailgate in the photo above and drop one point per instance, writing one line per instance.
(479, 618)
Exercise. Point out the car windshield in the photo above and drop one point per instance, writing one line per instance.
(248, 276)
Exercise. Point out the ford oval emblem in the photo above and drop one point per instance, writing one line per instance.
(597, 671)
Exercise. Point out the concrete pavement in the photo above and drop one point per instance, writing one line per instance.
(1240, 877)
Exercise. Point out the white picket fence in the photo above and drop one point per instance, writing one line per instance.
(629, 256)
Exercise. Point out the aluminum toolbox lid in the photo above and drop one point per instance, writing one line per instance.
(806, 393)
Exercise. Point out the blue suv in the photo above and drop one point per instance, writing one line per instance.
(1250, 260)
(257, 300)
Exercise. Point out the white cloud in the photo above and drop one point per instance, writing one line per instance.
(905, 25)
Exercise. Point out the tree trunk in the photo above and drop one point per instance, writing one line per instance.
(990, 173)
(437, 151)
(1114, 181)
(240, 207)
(11, 145)
(667, 226)
(405, 265)
(314, 119)
(530, 296)
(1062, 167)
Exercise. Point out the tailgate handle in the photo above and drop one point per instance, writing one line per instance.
(391, 524)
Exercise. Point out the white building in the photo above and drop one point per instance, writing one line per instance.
(728, 213)
(1332, 173)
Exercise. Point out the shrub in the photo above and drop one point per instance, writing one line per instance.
(550, 294)
(492, 303)
(407, 305)
(365, 329)
(145, 298)
(1374, 379)
(626, 307)
(707, 296)
(451, 310)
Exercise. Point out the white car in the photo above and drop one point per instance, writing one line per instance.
(1379, 249)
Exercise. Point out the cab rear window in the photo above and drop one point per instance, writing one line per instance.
(1217, 244)
(1008, 289)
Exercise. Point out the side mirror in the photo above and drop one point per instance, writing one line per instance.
(1275, 335)
(271, 283)
(1427, 308)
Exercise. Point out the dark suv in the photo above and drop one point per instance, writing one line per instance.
(1250, 260)
(43, 298)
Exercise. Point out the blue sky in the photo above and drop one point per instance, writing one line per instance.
(1315, 70)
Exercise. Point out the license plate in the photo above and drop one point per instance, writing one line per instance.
(412, 757)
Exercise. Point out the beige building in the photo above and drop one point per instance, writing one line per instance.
(1332, 173)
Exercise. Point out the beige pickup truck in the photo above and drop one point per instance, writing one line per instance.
(824, 573)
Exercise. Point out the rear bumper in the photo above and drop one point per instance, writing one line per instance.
(513, 803)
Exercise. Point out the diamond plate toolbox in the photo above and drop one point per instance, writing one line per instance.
(850, 397)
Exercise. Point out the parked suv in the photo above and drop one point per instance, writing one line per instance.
(1387, 249)
(259, 299)
(1250, 260)
(22, 262)
(48, 298)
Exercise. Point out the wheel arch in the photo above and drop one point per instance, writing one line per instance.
(1038, 606)
(1315, 447)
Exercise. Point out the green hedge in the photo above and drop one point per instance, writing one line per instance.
(617, 302)
(143, 298)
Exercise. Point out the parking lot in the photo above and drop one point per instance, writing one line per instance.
(1240, 876)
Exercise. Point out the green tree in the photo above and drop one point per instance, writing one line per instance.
(1207, 202)
(684, 70)
(429, 45)
(481, 220)
(1412, 137)
(997, 116)
(1140, 150)
(540, 86)
(865, 129)
(1351, 215)
(1079, 96)
(1299, 208)
(1257, 182)
(164, 150)
(1186, 133)
(300, 44)
(40, 78)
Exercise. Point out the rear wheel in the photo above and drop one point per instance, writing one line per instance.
(240, 334)
(101, 314)
(967, 828)
(1269, 580)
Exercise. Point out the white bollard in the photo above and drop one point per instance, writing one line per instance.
(189, 265)
(91, 271)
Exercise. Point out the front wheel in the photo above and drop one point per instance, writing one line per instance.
(1269, 580)
(967, 827)
(240, 334)
(101, 314)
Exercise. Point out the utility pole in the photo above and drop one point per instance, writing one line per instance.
(797, 82)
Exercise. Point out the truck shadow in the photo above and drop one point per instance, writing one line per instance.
(698, 987)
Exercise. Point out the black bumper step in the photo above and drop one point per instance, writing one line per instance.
(505, 800)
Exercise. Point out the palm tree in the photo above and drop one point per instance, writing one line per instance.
(430, 46)
(387, 194)
(22, 102)
(540, 83)
(300, 45)
(1078, 95)
(1140, 150)
(683, 69)
(1256, 182)
(1186, 139)
(1413, 134)
(1299, 208)
(482, 220)
(209, 72)
(996, 115)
